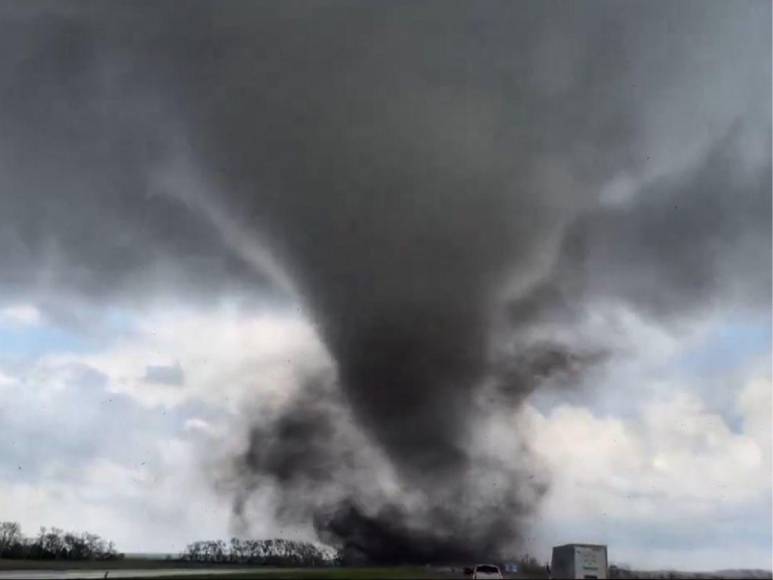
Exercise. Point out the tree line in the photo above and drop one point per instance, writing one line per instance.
(53, 544)
(275, 552)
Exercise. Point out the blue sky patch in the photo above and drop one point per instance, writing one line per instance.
(42, 339)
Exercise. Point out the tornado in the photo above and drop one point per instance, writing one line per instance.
(440, 182)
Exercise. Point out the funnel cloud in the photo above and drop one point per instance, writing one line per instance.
(448, 186)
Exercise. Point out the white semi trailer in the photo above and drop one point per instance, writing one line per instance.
(579, 561)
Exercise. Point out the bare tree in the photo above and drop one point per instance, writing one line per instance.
(10, 538)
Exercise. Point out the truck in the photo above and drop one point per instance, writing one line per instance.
(579, 561)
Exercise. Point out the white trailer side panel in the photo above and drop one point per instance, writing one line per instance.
(579, 561)
(590, 562)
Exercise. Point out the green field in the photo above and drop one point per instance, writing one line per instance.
(331, 574)
(118, 564)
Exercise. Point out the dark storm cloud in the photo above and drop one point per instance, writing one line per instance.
(81, 214)
(405, 162)
(696, 239)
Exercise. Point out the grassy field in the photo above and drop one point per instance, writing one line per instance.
(352, 573)
(119, 564)
(346, 574)
(331, 574)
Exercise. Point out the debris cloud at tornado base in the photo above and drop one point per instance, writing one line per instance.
(442, 182)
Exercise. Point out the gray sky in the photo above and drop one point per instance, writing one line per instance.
(498, 269)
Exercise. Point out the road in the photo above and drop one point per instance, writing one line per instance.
(88, 574)
(250, 573)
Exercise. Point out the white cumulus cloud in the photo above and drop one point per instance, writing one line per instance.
(20, 315)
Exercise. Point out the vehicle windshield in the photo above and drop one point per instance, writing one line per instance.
(487, 569)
